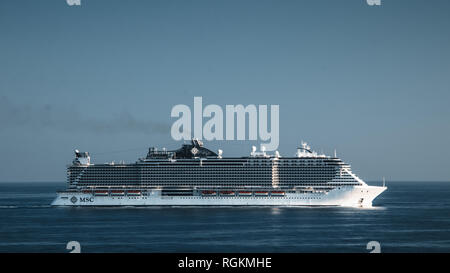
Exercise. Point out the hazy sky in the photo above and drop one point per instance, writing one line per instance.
(372, 82)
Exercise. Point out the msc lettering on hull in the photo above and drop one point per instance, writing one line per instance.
(87, 199)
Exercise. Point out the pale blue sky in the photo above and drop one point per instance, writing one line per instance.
(372, 82)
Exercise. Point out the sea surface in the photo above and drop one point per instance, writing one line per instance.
(408, 217)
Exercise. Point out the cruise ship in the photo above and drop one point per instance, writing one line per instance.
(196, 176)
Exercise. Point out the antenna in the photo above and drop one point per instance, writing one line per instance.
(335, 155)
(384, 182)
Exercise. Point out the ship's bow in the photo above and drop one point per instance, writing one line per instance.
(363, 196)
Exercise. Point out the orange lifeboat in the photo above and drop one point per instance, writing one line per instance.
(261, 193)
(117, 192)
(101, 193)
(133, 192)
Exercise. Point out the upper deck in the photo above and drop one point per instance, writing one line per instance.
(195, 166)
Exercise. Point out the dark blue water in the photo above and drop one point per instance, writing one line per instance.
(408, 217)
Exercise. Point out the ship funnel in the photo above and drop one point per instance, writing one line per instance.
(81, 158)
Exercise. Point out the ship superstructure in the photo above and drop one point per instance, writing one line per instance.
(194, 175)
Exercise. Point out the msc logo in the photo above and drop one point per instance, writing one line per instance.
(87, 199)
(73, 199)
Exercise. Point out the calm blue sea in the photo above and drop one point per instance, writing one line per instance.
(408, 217)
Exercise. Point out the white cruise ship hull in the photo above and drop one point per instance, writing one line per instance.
(347, 196)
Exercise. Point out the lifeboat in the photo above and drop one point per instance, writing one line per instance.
(133, 192)
(245, 193)
(227, 193)
(101, 193)
(87, 191)
(261, 193)
(209, 193)
(277, 193)
(117, 192)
